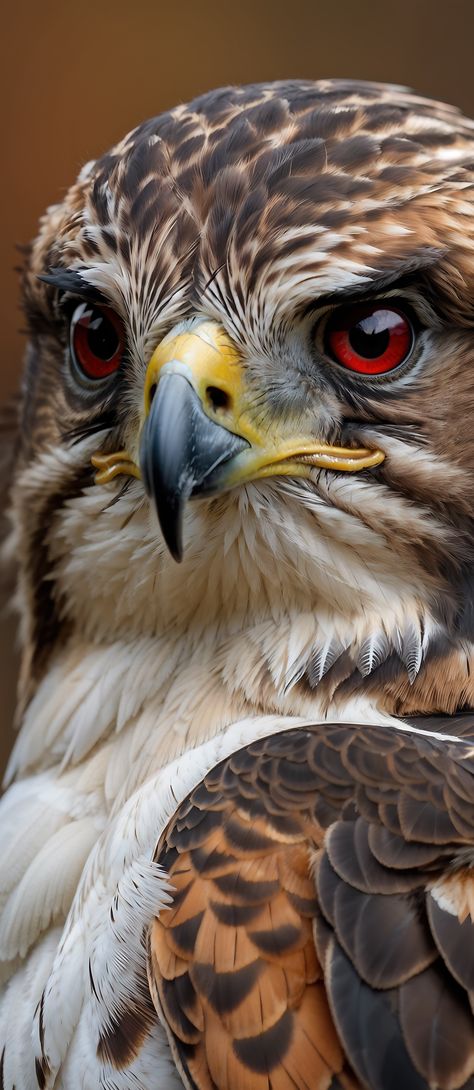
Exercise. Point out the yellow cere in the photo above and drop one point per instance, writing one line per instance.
(206, 355)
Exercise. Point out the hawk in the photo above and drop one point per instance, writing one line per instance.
(238, 840)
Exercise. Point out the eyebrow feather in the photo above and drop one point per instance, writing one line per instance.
(73, 281)
(402, 275)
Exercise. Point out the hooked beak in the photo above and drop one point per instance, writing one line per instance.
(181, 453)
(201, 434)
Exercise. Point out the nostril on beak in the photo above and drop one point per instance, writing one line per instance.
(218, 399)
(152, 392)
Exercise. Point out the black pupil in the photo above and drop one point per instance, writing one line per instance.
(370, 338)
(102, 338)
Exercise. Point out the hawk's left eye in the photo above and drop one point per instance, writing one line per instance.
(371, 338)
(97, 341)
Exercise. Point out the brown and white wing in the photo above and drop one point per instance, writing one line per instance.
(321, 934)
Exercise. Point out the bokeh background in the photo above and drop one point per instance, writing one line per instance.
(75, 76)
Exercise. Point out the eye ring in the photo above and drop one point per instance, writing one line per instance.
(96, 342)
(369, 339)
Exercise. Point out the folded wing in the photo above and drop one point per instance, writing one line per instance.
(321, 934)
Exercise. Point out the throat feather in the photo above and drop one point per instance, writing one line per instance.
(153, 698)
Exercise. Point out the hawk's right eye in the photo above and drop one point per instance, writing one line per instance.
(96, 340)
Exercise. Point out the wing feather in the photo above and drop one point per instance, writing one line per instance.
(317, 933)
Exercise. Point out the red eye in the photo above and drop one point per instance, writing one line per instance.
(97, 340)
(370, 339)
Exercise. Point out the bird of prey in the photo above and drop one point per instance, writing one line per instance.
(238, 840)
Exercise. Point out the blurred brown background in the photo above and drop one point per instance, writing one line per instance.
(77, 75)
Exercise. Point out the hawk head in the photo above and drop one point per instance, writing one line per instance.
(251, 351)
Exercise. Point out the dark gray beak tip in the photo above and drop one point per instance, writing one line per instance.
(169, 503)
(172, 530)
